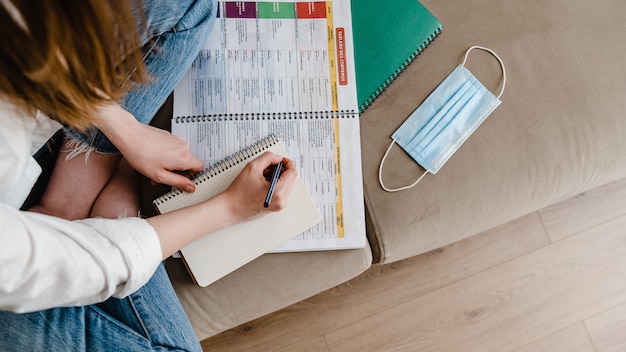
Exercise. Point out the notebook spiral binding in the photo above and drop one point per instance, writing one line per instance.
(268, 116)
(223, 165)
(399, 70)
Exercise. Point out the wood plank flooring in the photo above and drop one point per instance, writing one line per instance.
(554, 280)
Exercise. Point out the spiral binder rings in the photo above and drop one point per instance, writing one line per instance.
(217, 254)
(222, 166)
(388, 36)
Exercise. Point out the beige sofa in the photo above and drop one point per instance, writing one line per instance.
(560, 130)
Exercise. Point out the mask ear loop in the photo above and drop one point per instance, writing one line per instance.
(497, 57)
(380, 173)
(382, 162)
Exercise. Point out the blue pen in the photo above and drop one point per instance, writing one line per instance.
(273, 182)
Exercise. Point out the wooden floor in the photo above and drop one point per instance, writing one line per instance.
(554, 280)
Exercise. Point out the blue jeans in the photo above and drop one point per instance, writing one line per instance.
(178, 30)
(151, 319)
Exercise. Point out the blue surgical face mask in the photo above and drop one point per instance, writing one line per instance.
(450, 114)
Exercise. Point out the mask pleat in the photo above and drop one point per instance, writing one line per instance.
(444, 121)
(419, 119)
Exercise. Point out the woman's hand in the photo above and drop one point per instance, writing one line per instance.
(241, 201)
(247, 192)
(155, 153)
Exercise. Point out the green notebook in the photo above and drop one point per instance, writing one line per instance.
(387, 38)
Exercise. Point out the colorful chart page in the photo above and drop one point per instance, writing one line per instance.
(273, 57)
(287, 69)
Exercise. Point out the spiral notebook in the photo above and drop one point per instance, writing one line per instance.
(216, 255)
(287, 69)
(388, 36)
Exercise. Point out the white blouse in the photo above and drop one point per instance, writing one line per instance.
(49, 262)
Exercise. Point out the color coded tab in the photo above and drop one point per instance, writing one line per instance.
(277, 10)
(342, 65)
(240, 9)
(311, 9)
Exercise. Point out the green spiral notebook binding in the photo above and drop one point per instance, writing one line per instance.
(388, 36)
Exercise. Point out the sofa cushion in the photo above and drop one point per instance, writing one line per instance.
(560, 130)
(267, 284)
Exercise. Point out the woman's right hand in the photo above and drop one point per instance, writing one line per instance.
(247, 192)
(155, 153)
(242, 200)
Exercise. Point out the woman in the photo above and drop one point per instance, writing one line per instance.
(102, 68)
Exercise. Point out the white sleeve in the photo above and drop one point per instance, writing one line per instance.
(49, 262)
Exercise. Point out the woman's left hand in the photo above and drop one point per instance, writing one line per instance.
(155, 153)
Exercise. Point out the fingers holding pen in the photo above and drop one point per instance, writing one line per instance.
(250, 189)
(268, 162)
(281, 178)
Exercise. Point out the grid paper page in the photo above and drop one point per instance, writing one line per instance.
(216, 255)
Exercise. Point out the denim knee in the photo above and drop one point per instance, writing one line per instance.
(200, 13)
(176, 15)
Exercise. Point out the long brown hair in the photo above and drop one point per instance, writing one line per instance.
(66, 58)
